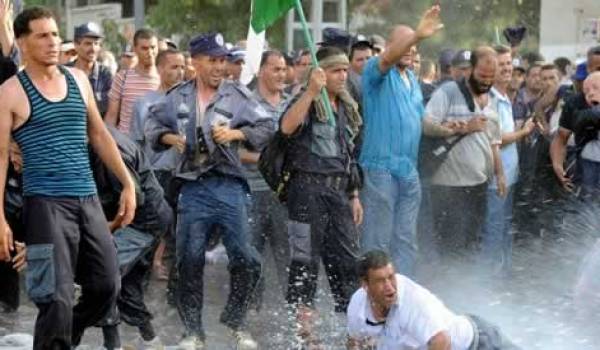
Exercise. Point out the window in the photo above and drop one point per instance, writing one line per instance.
(319, 14)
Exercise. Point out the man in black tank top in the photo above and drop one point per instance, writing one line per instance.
(50, 112)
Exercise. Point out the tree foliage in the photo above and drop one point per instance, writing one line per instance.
(189, 17)
(467, 22)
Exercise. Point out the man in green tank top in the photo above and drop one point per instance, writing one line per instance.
(50, 112)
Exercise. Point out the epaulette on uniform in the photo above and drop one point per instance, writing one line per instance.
(241, 88)
(179, 85)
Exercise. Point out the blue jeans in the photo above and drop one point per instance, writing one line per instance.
(496, 237)
(205, 204)
(590, 178)
(391, 207)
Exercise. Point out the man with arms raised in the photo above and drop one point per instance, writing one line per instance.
(51, 113)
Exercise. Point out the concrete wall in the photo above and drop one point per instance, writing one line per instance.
(561, 26)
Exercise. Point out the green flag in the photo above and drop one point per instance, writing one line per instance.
(266, 12)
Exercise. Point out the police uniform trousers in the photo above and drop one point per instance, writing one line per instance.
(321, 226)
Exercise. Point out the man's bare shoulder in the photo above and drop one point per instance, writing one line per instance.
(82, 81)
(12, 92)
(78, 74)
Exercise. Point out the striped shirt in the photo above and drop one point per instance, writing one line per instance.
(126, 88)
(53, 141)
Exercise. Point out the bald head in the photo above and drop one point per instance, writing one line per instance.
(400, 33)
(591, 89)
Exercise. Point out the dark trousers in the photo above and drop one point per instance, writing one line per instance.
(10, 290)
(165, 178)
(203, 205)
(135, 251)
(458, 214)
(68, 242)
(268, 218)
(321, 226)
(9, 293)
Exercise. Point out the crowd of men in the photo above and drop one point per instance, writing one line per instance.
(348, 164)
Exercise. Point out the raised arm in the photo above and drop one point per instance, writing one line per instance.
(7, 37)
(400, 45)
(296, 114)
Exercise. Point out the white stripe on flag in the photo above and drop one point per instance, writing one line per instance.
(255, 44)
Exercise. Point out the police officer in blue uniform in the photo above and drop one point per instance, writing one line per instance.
(207, 119)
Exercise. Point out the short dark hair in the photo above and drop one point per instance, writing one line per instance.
(328, 51)
(371, 260)
(593, 51)
(533, 57)
(162, 55)
(359, 47)
(21, 24)
(532, 67)
(548, 66)
(301, 54)
(561, 64)
(502, 49)
(143, 33)
(480, 53)
(270, 53)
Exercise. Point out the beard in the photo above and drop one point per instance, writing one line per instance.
(478, 87)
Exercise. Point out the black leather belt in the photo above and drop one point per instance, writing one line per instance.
(335, 182)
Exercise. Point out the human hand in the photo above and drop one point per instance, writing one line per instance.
(317, 81)
(224, 135)
(127, 207)
(6, 12)
(565, 181)
(430, 23)
(6, 241)
(476, 124)
(502, 187)
(19, 261)
(529, 126)
(179, 144)
(357, 211)
(15, 156)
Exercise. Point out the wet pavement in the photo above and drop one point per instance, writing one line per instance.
(534, 306)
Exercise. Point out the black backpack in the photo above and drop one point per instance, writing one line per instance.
(272, 165)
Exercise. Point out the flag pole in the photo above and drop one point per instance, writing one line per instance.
(313, 57)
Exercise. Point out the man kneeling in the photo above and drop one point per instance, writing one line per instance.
(391, 311)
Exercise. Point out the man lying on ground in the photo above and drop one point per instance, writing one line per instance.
(390, 311)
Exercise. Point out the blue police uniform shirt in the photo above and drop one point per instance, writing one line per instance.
(392, 113)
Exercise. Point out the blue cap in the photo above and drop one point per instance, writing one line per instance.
(336, 37)
(446, 57)
(210, 44)
(88, 30)
(236, 54)
(581, 72)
